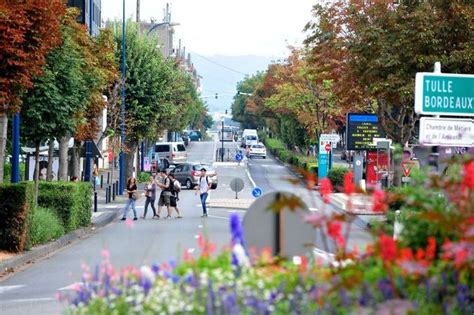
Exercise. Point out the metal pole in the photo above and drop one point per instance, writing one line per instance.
(16, 149)
(101, 181)
(95, 201)
(116, 187)
(108, 177)
(113, 191)
(87, 172)
(142, 157)
(122, 111)
(222, 153)
(106, 194)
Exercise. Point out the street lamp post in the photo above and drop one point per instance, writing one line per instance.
(88, 144)
(16, 149)
(122, 112)
(222, 153)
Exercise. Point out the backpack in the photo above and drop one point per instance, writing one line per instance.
(176, 186)
(207, 180)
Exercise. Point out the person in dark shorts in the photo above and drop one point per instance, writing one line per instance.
(131, 190)
(165, 194)
(175, 188)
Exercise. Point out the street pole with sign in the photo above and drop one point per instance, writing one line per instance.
(122, 112)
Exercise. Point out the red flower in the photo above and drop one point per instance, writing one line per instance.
(379, 201)
(431, 248)
(460, 257)
(349, 186)
(334, 231)
(406, 254)
(420, 254)
(325, 189)
(388, 248)
(468, 178)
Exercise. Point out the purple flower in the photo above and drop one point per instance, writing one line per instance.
(155, 268)
(146, 285)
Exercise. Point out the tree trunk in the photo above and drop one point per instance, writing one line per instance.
(36, 172)
(76, 159)
(63, 158)
(3, 142)
(130, 159)
(49, 170)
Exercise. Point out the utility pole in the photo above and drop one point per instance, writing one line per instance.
(138, 11)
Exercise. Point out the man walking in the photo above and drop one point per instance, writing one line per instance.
(203, 188)
(165, 196)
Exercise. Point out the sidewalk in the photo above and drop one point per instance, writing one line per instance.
(106, 213)
(223, 196)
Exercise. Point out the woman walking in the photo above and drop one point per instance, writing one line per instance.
(150, 194)
(175, 188)
(131, 190)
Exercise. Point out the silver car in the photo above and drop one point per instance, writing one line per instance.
(171, 153)
(188, 174)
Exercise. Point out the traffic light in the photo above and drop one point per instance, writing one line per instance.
(217, 95)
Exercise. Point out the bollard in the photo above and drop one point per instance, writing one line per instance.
(106, 195)
(113, 191)
(108, 178)
(117, 188)
(82, 176)
(101, 181)
(110, 193)
(95, 201)
(93, 179)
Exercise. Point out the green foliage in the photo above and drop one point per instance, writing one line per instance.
(285, 155)
(15, 211)
(45, 226)
(240, 111)
(71, 202)
(143, 177)
(7, 169)
(336, 175)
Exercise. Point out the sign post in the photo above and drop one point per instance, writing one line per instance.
(326, 143)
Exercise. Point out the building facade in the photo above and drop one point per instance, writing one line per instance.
(91, 14)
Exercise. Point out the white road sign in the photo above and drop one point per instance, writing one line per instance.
(447, 132)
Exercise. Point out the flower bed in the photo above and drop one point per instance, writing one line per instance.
(432, 276)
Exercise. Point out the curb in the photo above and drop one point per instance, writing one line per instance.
(11, 265)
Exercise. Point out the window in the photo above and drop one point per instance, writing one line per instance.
(181, 148)
(201, 166)
(162, 148)
(258, 146)
(251, 137)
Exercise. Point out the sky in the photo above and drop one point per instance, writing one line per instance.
(243, 35)
(227, 27)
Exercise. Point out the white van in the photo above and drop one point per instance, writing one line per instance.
(249, 137)
(171, 152)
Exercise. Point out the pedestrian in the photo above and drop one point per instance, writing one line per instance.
(204, 185)
(131, 191)
(150, 194)
(165, 194)
(175, 188)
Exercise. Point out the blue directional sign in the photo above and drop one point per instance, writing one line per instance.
(257, 192)
(239, 157)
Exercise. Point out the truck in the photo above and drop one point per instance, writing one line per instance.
(249, 137)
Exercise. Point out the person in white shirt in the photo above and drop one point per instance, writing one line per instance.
(205, 184)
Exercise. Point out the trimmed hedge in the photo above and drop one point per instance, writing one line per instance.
(336, 175)
(45, 226)
(16, 201)
(71, 202)
(277, 148)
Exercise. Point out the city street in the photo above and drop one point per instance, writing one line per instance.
(149, 241)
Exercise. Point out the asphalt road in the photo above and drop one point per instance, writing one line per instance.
(33, 289)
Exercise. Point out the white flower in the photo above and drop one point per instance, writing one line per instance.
(147, 274)
(241, 256)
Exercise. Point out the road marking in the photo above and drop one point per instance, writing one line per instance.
(217, 217)
(6, 288)
(69, 287)
(31, 300)
(250, 178)
(231, 211)
(111, 207)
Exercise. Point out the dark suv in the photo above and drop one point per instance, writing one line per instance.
(195, 135)
(188, 174)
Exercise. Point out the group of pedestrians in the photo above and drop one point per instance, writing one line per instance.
(169, 189)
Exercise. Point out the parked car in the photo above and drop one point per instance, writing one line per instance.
(171, 153)
(195, 135)
(188, 174)
(258, 150)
